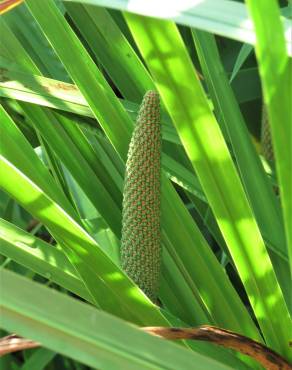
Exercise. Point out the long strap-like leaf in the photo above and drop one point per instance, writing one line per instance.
(185, 100)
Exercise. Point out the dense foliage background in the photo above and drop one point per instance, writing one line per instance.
(72, 76)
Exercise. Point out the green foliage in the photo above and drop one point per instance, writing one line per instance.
(96, 338)
(72, 74)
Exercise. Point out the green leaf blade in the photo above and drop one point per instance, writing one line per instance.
(184, 98)
(91, 336)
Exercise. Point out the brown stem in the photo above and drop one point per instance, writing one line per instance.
(264, 355)
(14, 343)
(226, 338)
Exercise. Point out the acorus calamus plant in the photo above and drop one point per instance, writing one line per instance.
(140, 247)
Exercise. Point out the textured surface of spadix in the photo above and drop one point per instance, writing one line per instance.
(140, 248)
(266, 139)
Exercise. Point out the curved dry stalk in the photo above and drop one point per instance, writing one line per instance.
(268, 358)
(228, 339)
